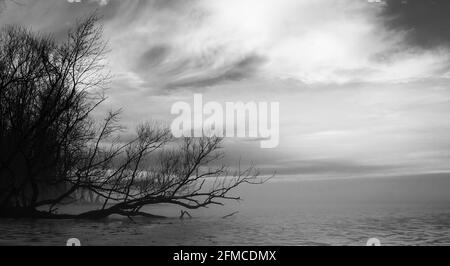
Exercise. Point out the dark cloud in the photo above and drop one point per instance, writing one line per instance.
(158, 70)
(129, 10)
(153, 56)
(53, 17)
(242, 69)
(57, 16)
(427, 22)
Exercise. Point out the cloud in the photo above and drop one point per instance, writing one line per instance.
(321, 41)
(359, 85)
(174, 44)
(425, 23)
(243, 68)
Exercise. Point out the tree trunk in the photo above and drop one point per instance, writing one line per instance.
(18, 213)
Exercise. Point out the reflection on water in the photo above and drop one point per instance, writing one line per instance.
(321, 225)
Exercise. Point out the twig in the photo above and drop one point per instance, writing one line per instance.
(230, 215)
(185, 213)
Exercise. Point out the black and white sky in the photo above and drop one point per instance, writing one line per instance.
(363, 85)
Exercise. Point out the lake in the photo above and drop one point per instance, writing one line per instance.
(398, 211)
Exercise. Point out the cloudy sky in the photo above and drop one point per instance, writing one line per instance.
(362, 84)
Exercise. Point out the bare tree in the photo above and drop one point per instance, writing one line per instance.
(51, 147)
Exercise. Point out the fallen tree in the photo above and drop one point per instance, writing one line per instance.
(52, 147)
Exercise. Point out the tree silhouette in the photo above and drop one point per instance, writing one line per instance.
(52, 148)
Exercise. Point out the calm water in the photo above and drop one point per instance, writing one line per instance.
(267, 219)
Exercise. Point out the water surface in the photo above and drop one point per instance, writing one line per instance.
(400, 213)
